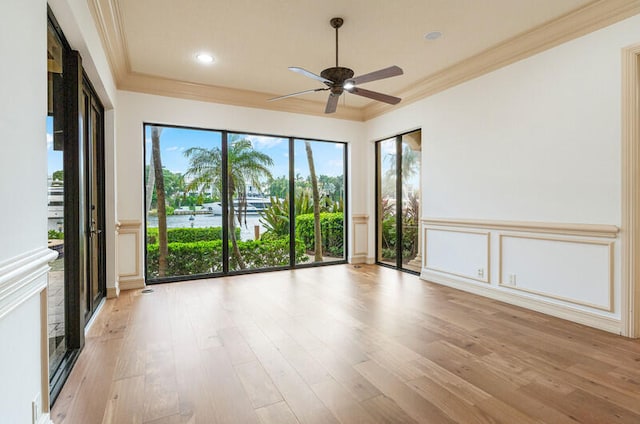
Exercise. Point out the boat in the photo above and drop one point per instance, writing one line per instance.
(55, 201)
(254, 205)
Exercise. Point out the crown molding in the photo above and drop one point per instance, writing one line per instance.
(595, 15)
(149, 84)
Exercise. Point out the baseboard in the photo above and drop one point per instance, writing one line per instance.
(608, 324)
(133, 284)
(113, 292)
(45, 419)
(358, 259)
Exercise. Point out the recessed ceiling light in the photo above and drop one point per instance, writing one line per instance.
(204, 58)
(433, 35)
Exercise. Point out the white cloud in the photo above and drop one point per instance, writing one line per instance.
(49, 141)
(172, 148)
(263, 142)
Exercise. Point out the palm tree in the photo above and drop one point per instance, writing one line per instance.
(163, 248)
(317, 234)
(410, 167)
(246, 167)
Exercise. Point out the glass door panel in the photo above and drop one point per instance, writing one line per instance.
(183, 168)
(258, 202)
(55, 203)
(387, 225)
(410, 168)
(95, 289)
(319, 198)
(398, 201)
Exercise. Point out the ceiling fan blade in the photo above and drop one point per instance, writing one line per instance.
(375, 95)
(309, 74)
(332, 103)
(391, 71)
(313, 90)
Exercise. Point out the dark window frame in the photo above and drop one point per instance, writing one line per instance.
(225, 259)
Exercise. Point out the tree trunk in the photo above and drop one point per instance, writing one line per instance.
(151, 180)
(163, 249)
(232, 229)
(317, 233)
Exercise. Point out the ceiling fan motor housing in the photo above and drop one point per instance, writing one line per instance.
(337, 74)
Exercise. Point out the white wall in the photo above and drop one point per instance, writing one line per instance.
(536, 141)
(23, 190)
(135, 109)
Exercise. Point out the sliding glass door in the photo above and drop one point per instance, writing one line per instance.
(398, 165)
(219, 202)
(75, 204)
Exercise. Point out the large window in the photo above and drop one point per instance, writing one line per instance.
(219, 202)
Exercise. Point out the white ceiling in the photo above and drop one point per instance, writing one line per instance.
(254, 41)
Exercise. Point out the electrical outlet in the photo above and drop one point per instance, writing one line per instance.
(36, 408)
(512, 279)
(481, 272)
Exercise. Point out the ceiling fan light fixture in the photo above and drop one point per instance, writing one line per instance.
(339, 79)
(205, 58)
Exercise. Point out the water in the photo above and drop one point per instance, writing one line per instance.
(202, 221)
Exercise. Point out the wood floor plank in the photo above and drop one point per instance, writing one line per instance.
(386, 410)
(340, 402)
(338, 345)
(232, 404)
(278, 413)
(257, 384)
(124, 402)
(411, 402)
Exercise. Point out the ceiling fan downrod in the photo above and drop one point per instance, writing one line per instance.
(336, 23)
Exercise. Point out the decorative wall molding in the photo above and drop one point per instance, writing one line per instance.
(360, 238)
(593, 16)
(601, 322)
(608, 307)
(129, 243)
(22, 277)
(584, 230)
(630, 157)
(486, 261)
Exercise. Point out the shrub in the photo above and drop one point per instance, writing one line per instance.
(188, 235)
(204, 257)
(331, 227)
(55, 235)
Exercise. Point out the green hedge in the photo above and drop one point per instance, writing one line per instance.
(55, 235)
(188, 235)
(332, 228)
(203, 257)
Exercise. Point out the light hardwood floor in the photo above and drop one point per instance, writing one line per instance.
(342, 345)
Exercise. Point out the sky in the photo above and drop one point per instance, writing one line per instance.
(328, 156)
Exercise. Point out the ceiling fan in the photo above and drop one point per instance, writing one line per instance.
(338, 79)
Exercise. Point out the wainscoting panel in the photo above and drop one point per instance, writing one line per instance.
(360, 238)
(130, 272)
(568, 270)
(463, 253)
(572, 270)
